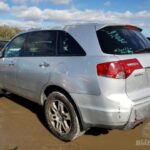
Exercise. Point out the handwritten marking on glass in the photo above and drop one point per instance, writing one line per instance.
(125, 50)
(114, 35)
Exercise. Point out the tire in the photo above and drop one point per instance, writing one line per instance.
(61, 117)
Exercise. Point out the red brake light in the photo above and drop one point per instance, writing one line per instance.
(121, 69)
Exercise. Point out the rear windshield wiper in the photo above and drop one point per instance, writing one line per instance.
(143, 50)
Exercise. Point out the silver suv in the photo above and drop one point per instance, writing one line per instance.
(86, 75)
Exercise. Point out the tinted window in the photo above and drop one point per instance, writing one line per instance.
(14, 48)
(67, 46)
(42, 43)
(122, 40)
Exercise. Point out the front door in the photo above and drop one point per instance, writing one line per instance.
(34, 65)
(9, 63)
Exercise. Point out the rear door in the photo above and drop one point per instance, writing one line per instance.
(127, 42)
(34, 65)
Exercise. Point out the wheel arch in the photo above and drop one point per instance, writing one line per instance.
(51, 88)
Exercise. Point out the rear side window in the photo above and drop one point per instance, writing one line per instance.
(41, 43)
(122, 40)
(68, 46)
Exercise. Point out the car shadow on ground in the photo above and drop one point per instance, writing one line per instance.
(97, 131)
(38, 110)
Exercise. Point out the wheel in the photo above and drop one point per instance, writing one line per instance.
(61, 117)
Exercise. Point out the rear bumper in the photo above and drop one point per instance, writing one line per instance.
(98, 111)
(139, 113)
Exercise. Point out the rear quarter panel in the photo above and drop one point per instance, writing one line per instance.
(77, 74)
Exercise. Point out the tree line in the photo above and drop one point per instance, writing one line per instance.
(6, 32)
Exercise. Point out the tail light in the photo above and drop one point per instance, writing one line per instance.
(121, 69)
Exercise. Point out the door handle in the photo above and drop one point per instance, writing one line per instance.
(44, 64)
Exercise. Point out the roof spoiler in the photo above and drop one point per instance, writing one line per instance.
(131, 27)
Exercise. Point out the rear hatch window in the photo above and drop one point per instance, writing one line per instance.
(121, 40)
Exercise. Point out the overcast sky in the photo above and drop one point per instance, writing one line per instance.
(47, 13)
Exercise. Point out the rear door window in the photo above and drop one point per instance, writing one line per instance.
(122, 40)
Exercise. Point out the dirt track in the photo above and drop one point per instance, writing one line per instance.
(22, 127)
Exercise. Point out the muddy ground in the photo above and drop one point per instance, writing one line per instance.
(22, 127)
